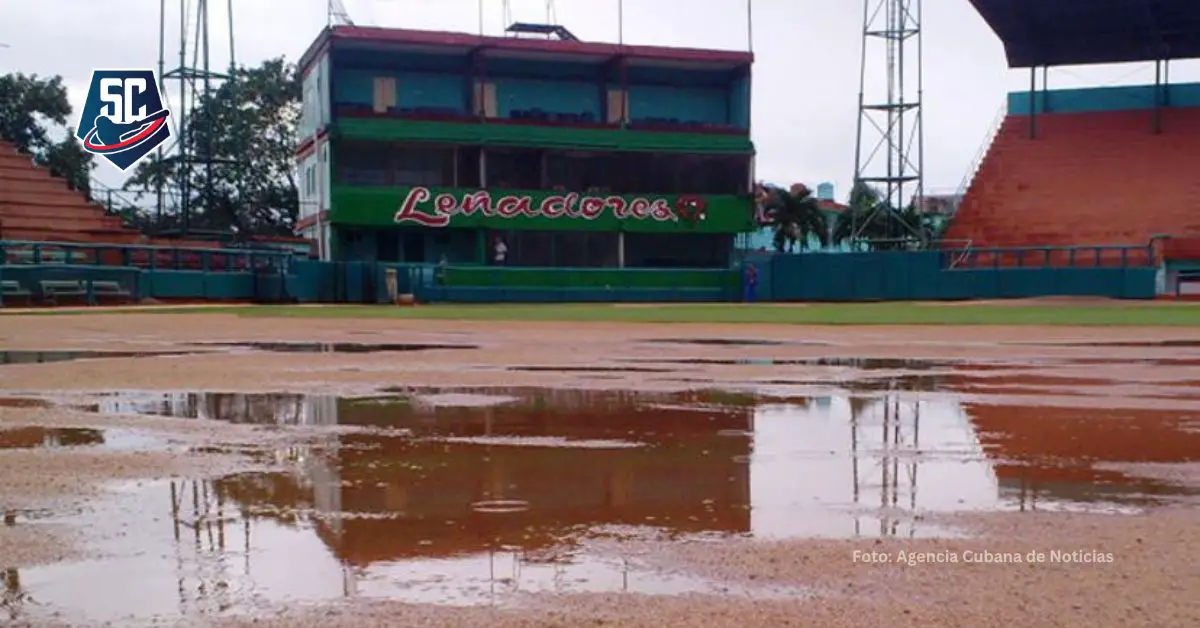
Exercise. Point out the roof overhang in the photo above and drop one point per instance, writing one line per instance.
(1081, 32)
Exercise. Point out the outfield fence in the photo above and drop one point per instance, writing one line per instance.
(32, 271)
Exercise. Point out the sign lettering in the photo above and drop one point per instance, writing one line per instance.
(420, 206)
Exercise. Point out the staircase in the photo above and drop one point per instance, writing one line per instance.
(1102, 178)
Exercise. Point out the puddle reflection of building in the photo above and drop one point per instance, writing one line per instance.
(36, 437)
(213, 527)
(422, 490)
(255, 408)
(392, 504)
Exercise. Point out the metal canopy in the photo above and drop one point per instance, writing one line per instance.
(1080, 32)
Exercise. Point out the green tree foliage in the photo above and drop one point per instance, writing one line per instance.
(30, 108)
(885, 228)
(248, 126)
(795, 216)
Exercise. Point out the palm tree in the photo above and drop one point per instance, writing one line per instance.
(795, 215)
(876, 222)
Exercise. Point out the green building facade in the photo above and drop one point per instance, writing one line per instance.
(426, 147)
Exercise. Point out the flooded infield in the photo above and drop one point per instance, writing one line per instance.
(480, 496)
(487, 496)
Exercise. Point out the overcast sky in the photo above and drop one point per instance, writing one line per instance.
(805, 77)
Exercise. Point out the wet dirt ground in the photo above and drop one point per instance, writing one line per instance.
(212, 470)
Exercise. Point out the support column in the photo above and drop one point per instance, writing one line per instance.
(1045, 89)
(1158, 96)
(620, 249)
(624, 92)
(1032, 103)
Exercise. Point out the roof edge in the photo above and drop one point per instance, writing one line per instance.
(454, 39)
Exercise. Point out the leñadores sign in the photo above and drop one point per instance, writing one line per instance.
(421, 206)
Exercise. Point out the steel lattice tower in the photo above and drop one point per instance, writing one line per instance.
(196, 80)
(890, 153)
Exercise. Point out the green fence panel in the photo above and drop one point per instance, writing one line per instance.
(927, 275)
(1139, 283)
(492, 276)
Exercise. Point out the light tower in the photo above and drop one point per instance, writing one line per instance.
(890, 153)
(196, 79)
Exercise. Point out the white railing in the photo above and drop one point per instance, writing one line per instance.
(973, 168)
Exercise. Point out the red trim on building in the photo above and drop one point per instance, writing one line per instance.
(307, 146)
(304, 223)
(601, 52)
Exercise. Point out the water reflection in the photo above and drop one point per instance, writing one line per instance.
(15, 356)
(48, 437)
(336, 347)
(472, 504)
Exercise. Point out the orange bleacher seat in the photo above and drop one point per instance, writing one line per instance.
(37, 206)
(1087, 179)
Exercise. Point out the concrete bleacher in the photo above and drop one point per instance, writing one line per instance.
(1086, 178)
(37, 206)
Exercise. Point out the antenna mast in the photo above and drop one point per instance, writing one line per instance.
(890, 154)
(196, 84)
(336, 14)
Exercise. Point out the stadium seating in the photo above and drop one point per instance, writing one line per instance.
(34, 205)
(1103, 178)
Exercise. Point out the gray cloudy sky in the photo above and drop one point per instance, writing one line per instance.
(806, 74)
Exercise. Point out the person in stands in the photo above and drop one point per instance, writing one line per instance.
(750, 284)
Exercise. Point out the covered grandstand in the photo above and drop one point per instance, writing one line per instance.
(1102, 166)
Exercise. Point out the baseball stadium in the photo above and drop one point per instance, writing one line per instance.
(519, 334)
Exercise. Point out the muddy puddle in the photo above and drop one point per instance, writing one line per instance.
(63, 437)
(589, 369)
(1176, 343)
(866, 364)
(336, 347)
(14, 356)
(732, 342)
(726, 453)
(478, 496)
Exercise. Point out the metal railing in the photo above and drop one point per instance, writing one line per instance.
(977, 161)
(16, 252)
(1082, 256)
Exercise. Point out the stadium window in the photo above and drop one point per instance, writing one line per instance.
(364, 163)
(429, 166)
(514, 169)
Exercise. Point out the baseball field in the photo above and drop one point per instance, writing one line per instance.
(966, 464)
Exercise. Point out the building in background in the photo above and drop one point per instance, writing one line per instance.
(429, 146)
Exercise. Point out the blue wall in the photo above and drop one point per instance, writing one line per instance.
(415, 89)
(354, 87)
(444, 91)
(523, 94)
(739, 103)
(444, 82)
(1094, 99)
(687, 104)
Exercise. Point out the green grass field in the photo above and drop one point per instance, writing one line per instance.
(1115, 314)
